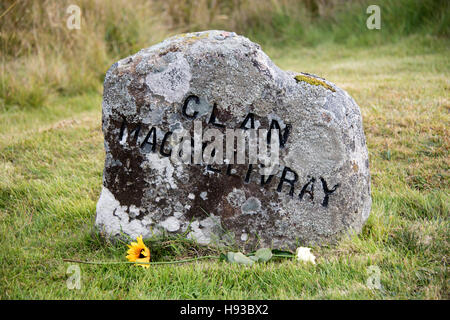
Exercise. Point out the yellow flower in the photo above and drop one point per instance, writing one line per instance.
(139, 252)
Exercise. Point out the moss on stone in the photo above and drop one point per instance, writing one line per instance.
(313, 81)
(192, 37)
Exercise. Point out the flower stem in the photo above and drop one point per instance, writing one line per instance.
(283, 256)
(131, 262)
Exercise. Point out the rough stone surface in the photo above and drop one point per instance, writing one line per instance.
(146, 193)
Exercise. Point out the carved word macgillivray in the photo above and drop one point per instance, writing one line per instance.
(149, 144)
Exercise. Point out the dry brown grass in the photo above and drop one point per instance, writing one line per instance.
(41, 56)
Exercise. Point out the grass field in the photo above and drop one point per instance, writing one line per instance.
(51, 162)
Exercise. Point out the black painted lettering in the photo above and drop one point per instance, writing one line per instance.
(213, 118)
(211, 168)
(122, 128)
(185, 105)
(146, 143)
(213, 153)
(249, 172)
(269, 179)
(250, 117)
(134, 132)
(290, 182)
(327, 191)
(161, 149)
(180, 151)
(308, 189)
(283, 136)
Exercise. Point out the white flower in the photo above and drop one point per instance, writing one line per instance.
(304, 254)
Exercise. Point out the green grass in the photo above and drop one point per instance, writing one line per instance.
(345, 23)
(51, 162)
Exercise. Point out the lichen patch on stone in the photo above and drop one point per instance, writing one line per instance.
(313, 81)
(172, 81)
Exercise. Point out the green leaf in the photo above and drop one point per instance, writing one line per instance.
(285, 253)
(264, 254)
(223, 257)
(240, 258)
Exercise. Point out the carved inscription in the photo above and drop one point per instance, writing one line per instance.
(146, 140)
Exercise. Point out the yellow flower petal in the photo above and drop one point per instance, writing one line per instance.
(143, 260)
(138, 252)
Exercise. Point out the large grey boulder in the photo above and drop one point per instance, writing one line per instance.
(319, 191)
